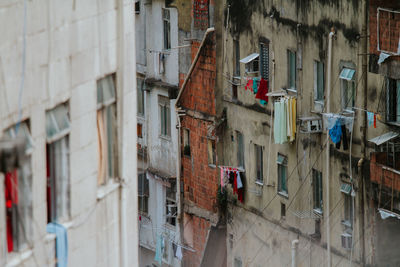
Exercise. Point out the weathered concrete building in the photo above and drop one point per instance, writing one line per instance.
(67, 85)
(303, 194)
(157, 78)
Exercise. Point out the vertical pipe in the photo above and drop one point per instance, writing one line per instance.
(294, 252)
(364, 131)
(328, 90)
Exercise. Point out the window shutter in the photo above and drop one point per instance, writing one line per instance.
(264, 60)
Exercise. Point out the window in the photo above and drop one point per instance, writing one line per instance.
(282, 175)
(317, 191)
(165, 116)
(393, 103)
(167, 28)
(211, 152)
(106, 129)
(238, 262)
(143, 193)
(283, 210)
(348, 88)
(186, 142)
(264, 60)
(259, 163)
(236, 71)
(348, 205)
(291, 70)
(57, 159)
(318, 81)
(240, 150)
(137, 7)
(18, 194)
(139, 130)
(170, 203)
(140, 97)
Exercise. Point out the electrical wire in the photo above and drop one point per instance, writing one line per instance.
(276, 194)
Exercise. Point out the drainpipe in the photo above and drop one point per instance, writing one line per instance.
(364, 131)
(123, 200)
(328, 90)
(179, 113)
(294, 252)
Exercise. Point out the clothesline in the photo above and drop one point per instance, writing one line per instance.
(232, 168)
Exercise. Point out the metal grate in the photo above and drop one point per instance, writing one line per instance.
(264, 60)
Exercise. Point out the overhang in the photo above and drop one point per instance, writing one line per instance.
(379, 140)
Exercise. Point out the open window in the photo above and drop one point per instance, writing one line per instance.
(58, 172)
(106, 129)
(171, 208)
(348, 86)
(282, 175)
(392, 100)
(259, 164)
(317, 191)
(186, 142)
(18, 194)
(251, 64)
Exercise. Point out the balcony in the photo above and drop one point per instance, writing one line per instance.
(382, 174)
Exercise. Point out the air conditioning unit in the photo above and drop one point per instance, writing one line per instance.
(346, 240)
(310, 125)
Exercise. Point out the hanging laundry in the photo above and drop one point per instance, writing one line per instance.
(336, 132)
(239, 181)
(234, 182)
(280, 122)
(374, 120)
(263, 102)
(370, 117)
(294, 114)
(289, 118)
(159, 249)
(262, 90)
(344, 139)
(249, 85)
(231, 177)
(178, 253)
(378, 117)
(241, 189)
(255, 85)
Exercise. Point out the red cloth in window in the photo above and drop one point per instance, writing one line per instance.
(235, 190)
(11, 188)
(262, 90)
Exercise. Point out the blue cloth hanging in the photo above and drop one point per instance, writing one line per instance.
(370, 116)
(61, 242)
(159, 249)
(336, 132)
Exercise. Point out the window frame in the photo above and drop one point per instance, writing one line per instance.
(212, 158)
(319, 86)
(292, 55)
(140, 97)
(186, 142)
(171, 201)
(21, 211)
(345, 83)
(143, 193)
(58, 145)
(392, 101)
(164, 113)
(107, 117)
(259, 160)
(166, 29)
(317, 184)
(240, 150)
(282, 162)
(348, 214)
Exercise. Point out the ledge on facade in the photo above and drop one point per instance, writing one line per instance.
(255, 107)
(19, 257)
(172, 89)
(192, 208)
(160, 175)
(382, 174)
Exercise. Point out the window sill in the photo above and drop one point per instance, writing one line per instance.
(283, 194)
(260, 183)
(106, 189)
(17, 258)
(346, 223)
(166, 138)
(318, 211)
